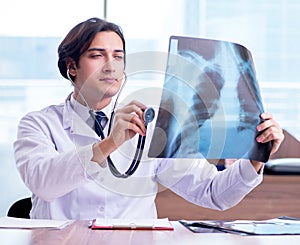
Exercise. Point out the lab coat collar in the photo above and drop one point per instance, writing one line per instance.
(73, 122)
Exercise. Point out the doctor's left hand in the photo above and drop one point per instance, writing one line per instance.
(270, 131)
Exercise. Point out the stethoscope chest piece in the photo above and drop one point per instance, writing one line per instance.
(149, 115)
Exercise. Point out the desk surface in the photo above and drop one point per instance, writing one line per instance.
(79, 233)
(275, 196)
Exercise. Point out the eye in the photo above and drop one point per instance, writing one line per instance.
(95, 55)
(119, 57)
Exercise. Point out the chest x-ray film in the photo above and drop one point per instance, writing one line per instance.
(211, 103)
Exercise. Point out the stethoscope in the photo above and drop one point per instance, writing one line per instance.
(148, 116)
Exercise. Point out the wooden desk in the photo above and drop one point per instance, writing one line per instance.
(275, 196)
(79, 233)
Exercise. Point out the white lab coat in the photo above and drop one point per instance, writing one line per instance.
(53, 151)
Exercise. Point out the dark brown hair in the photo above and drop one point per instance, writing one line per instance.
(80, 38)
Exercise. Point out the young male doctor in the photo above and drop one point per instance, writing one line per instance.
(63, 161)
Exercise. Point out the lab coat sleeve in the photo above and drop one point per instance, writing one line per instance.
(200, 183)
(49, 170)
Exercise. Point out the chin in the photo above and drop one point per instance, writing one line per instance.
(110, 93)
(113, 90)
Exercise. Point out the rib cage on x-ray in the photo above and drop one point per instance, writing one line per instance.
(210, 104)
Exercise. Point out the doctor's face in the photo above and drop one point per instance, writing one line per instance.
(100, 70)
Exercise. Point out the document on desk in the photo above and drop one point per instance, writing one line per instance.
(19, 223)
(276, 226)
(132, 224)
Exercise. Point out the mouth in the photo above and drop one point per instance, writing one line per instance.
(108, 79)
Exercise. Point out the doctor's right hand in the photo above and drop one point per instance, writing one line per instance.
(128, 121)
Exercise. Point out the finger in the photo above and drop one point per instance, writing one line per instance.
(131, 122)
(140, 113)
(137, 111)
(266, 116)
(276, 137)
(267, 124)
(133, 108)
(137, 121)
(123, 129)
(136, 105)
(270, 135)
(139, 108)
(136, 129)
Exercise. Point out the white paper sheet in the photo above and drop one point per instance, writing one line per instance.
(18, 223)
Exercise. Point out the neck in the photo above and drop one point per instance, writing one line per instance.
(94, 105)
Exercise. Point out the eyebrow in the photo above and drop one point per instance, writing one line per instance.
(102, 50)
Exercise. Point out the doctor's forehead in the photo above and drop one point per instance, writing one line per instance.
(107, 41)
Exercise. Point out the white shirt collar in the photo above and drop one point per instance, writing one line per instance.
(83, 111)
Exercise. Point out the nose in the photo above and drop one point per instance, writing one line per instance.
(109, 66)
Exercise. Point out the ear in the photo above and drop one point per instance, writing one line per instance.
(71, 66)
(73, 71)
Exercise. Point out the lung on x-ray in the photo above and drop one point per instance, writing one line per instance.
(210, 104)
